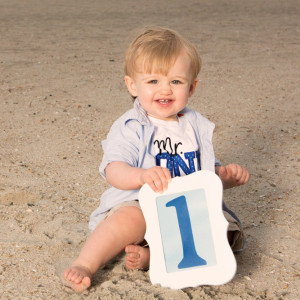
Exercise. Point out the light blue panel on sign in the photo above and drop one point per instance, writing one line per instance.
(185, 230)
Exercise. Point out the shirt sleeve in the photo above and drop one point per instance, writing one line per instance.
(121, 144)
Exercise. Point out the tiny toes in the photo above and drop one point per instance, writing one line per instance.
(77, 278)
(129, 249)
(133, 255)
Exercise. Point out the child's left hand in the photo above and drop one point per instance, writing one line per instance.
(233, 175)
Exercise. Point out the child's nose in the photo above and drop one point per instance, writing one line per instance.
(166, 89)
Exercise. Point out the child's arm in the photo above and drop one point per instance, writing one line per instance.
(232, 175)
(124, 177)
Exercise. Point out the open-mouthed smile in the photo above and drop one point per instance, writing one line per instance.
(164, 101)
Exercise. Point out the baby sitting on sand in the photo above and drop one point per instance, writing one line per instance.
(161, 69)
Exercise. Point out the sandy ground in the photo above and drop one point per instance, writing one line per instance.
(61, 87)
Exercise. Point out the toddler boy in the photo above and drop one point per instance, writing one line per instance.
(158, 139)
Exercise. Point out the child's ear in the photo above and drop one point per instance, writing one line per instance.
(130, 85)
(193, 87)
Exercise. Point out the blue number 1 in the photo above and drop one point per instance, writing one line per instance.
(190, 256)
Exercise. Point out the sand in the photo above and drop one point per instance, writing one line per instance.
(61, 87)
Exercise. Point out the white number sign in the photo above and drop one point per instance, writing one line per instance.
(187, 232)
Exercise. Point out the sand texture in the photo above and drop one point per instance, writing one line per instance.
(61, 87)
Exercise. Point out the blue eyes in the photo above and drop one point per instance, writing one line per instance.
(154, 81)
(176, 82)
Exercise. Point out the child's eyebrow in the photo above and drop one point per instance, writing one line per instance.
(180, 77)
(149, 76)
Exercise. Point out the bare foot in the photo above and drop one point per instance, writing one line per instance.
(77, 277)
(137, 257)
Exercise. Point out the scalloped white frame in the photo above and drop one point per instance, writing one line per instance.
(223, 268)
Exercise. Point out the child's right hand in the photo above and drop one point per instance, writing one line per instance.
(157, 178)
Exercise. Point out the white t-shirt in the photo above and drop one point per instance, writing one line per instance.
(175, 146)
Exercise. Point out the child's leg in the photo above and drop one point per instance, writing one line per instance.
(126, 226)
(235, 233)
(139, 257)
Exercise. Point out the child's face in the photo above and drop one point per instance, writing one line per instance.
(163, 96)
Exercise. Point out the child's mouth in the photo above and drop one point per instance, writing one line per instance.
(164, 101)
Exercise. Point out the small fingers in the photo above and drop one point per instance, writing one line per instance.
(165, 178)
(245, 176)
(158, 178)
(167, 174)
(155, 183)
(239, 174)
(235, 174)
(222, 172)
(233, 171)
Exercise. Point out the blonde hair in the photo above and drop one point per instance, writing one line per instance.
(159, 48)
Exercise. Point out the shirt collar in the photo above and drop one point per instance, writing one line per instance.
(141, 113)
